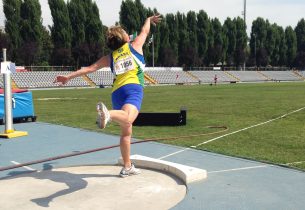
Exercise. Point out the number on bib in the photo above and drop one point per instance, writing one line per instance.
(123, 65)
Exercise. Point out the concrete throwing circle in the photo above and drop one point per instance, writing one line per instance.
(90, 187)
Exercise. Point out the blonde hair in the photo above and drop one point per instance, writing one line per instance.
(117, 31)
(115, 37)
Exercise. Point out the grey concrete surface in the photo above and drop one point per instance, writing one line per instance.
(90, 187)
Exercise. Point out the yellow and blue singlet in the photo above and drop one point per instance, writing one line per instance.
(127, 66)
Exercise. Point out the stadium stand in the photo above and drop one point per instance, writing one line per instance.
(44, 79)
(155, 76)
(208, 76)
(102, 77)
(302, 73)
(248, 76)
(170, 76)
(281, 75)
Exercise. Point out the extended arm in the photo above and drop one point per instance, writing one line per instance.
(102, 62)
(140, 39)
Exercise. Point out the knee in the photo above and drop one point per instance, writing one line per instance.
(127, 124)
(126, 129)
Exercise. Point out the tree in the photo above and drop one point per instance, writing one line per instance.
(210, 50)
(282, 47)
(271, 42)
(300, 60)
(129, 16)
(241, 41)
(142, 11)
(192, 33)
(183, 39)
(203, 28)
(274, 39)
(172, 24)
(192, 28)
(291, 43)
(31, 31)
(61, 32)
(229, 46)
(47, 48)
(93, 31)
(132, 17)
(300, 33)
(259, 35)
(262, 57)
(216, 48)
(252, 60)
(166, 53)
(77, 17)
(5, 43)
(11, 10)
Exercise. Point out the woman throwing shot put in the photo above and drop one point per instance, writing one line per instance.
(127, 64)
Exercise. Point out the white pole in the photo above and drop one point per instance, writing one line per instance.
(7, 99)
(153, 51)
(4, 54)
(245, 12)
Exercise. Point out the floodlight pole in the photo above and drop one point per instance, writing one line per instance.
(245, 11)
(255, 47)
(245, 8)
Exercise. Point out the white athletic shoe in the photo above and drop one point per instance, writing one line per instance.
(129, 172)
(103, 116)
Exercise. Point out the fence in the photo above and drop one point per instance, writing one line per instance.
(44, 68)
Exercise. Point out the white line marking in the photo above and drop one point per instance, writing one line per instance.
(26, 167)
(174, 153)
(259, 124)
(238, 169)
(228, 134)
(294, 163)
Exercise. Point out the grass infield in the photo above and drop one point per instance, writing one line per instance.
(236, 106)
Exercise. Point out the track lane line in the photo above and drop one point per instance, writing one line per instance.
(238, 169)
(25, 167)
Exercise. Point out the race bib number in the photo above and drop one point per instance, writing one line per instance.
(123, 65)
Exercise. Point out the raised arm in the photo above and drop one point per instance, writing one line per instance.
(140, 39)
(102, 62)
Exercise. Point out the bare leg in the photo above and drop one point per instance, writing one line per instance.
(125, 145)
(125, 118)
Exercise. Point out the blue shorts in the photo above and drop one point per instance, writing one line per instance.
(127, 94)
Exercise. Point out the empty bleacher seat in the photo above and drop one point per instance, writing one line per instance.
(44, 79)
(102, 77)
(248, 76)
(170, 76)
(208, 76)
(281, 75)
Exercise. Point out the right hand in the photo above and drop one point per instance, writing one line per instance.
(62, 79)
(155, 19)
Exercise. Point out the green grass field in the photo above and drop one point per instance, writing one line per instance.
(236, 106)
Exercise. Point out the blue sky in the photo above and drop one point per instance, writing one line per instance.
(282, 12)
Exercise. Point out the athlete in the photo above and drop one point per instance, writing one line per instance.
(127, 64)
